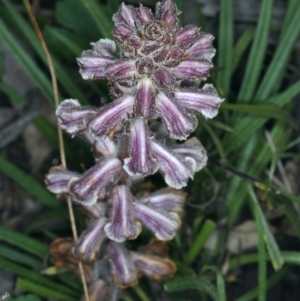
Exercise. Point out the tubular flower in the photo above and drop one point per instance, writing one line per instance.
(150, 79)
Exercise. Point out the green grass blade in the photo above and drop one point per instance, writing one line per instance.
(36, 277)
(273, 249)
(192, 282)
(26, 62)
(289, 258)
(262, 260)
(273, 77)
(250, 124)
(204, 233)
(216, 141)
(257, 53)
(293, 217)
(44, 291)
(24, 298)
(98, 14)
(241, 46)
(252, 294)
(14, 96)
(264, 110)
(237, 187)
(18, 257)
(292, 7)
(63, 40)
(220, 282)
(28, 183)
(225, 44)
(29, 35)
(23, 242)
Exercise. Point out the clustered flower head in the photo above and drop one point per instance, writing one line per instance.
(151, 72)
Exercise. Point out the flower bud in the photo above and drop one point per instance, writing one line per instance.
(141, 161)
(163, 224)
(122, 224)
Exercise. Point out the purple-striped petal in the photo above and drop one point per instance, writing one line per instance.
(202, 48)
(92, 65)
(192, 148)
(165, 199)
(88, 245)
(120, 70)
(143, 15)
(141, 161)
(122, 225)
(121, 32)
(167, 11)
(193, 70)
(71, 115)
(145, 98)
(106, 48)
(175, 170)
(179, 123)
(110, 116)
(58, 178)
(105, 146)
(123, 269)
(155, 267)
(87, 188)
(125, 15)
(205, 101)
(164, 79)
(187, 35)
(163, 224)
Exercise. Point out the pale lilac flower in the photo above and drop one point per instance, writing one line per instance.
(122, 224)
(147, 74)
(87, 188)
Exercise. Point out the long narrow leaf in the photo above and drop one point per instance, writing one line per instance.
(257, 52)
(28, 183)
(220, 282)
(20, 257)
(252, 294)
(192, 282)
(44, 291)
(264, 110)
(249, 124)
(26, 62)
(204, 233)
(272, 79)
(23, 242)
(36, 277)
(262, 263)
(98, 14)
(289, 258)
(225, 44)
(30, 36)
(241, 46)
(273, 249)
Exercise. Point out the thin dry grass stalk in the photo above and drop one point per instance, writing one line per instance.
(60, 135)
